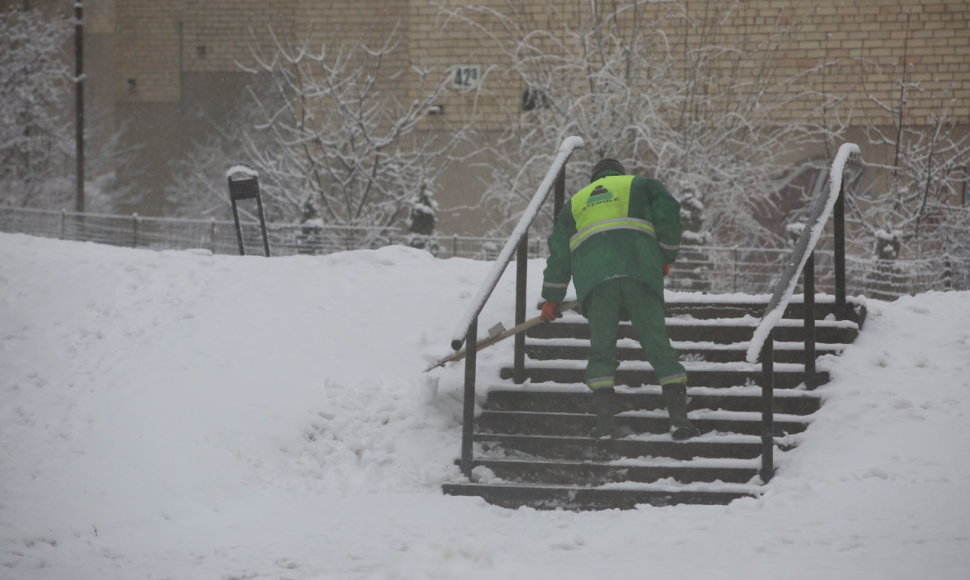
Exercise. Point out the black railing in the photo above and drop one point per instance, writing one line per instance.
(518, 243)
(802, 261)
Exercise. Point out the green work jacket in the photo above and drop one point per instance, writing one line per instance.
(618, 225)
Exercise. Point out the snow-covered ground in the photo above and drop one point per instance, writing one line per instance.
(188, 416)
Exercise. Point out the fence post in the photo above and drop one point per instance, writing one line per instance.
(63, 220)
(947, 272)
(737, 259)
(212, 235)
(134, 230)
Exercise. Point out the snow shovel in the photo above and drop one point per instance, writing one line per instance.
(500, 336)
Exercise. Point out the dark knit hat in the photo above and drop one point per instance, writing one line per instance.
(606, 164)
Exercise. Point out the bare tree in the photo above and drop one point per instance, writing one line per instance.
(37, 148)
(334, 136)
(915, 189)
(198, 185)
(916, 174)
(341, 142)
(35, 140)
(696, 116)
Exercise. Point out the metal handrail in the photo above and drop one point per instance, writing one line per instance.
(566, 149)
(802, 260)
(468, 327)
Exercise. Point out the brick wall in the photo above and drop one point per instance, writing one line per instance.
(147, 55)
(181, 55)
(878, 43)
(870, 46)
(158, 42)
(874, 42)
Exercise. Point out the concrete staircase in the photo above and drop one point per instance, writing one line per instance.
(530, 441)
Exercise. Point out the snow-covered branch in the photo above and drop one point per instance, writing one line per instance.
(678, 114)
(35, 137)
(334, 140)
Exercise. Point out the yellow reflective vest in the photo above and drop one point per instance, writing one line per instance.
(618, 225)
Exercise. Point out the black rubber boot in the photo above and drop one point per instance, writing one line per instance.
(675, 398)
(605, 404)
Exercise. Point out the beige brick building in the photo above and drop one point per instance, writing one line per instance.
(166, 68)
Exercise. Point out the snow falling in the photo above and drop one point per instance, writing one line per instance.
(183, 415)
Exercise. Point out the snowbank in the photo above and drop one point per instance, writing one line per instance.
(184, 415)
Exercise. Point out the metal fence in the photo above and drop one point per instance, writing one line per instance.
(707, 268)
(756, 270)
(219, 236)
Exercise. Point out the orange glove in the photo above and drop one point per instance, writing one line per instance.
(666, 269)
(550, 311)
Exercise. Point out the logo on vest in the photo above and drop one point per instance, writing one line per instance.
(599, 195)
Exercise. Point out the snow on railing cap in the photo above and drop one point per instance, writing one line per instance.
(566, 149)
(570, 144)
(822, 209)
(242, 171)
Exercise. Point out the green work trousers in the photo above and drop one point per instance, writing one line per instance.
(604, 307)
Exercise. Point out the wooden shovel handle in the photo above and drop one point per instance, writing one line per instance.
(487, 342)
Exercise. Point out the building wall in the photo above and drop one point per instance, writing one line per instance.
(176, 64)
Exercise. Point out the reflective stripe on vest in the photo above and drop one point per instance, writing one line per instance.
(604, 205)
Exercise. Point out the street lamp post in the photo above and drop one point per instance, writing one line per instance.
(79, 105)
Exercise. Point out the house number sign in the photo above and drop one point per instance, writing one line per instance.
(465, 77)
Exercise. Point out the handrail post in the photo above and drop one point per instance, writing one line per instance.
(803, 261)
(809, 318)
(559, 195)
(467, 331)
(468, 407)
(767, 408)
(521, 275)
(839, 253)
(737, 263)
(948, 271)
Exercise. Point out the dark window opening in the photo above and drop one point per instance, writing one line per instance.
(534, 99)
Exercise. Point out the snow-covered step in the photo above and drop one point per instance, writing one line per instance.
(654, 421)
(610, 496)
(686, 344)
(575, 398)
(701, 305)
(595, 473)
(713, 445)
(721, 330)
(638, 373)
(629, 349)
(531, 444)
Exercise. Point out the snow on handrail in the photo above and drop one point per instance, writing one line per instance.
(566, 149)
(821, 210)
